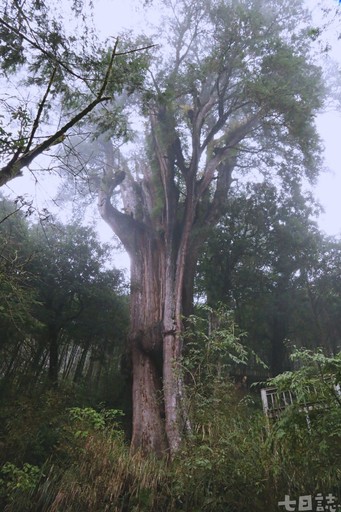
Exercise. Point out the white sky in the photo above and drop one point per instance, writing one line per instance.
(328, 188)
(111, 14)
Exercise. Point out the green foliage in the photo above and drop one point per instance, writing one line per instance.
(267, 260)
(91, 419)
(307, 436)
(234, 460)
(24, 479)
(317, 377)
(16, 295)
(16, 483)
(54, 282)
(246, 47)
(31, 424)
(60, 54)
(214, 345)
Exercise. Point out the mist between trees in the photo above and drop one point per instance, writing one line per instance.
(228, 269)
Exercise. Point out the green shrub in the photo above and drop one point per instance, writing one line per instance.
(307, 436)
(17, 484)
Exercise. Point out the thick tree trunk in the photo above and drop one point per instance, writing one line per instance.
(146, 338)
(148, 423)
(163, 262)
(158, 395)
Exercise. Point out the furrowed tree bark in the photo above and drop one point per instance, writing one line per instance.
(146, 344)
(157, 281)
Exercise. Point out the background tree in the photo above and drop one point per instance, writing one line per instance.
(264, 260)
(319, 325)
(259, 252)
(63, 310)
(16, 296)
(67, 269)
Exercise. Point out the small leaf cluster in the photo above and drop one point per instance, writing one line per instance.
(14, 478)
(87, 419)
(17, 483)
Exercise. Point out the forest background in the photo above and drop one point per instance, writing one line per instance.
(266, 286)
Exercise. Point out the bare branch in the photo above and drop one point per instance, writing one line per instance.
(128, 52)
(10, 215)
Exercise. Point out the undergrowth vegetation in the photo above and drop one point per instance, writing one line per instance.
(234, 461)
(58, 457)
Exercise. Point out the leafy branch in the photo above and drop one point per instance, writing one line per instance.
(24, 158)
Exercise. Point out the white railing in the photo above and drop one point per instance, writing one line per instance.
(274, 401)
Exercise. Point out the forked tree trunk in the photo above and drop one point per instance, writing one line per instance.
(163, 253)
(167, 209)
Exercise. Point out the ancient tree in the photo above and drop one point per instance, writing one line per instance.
(236, 93)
